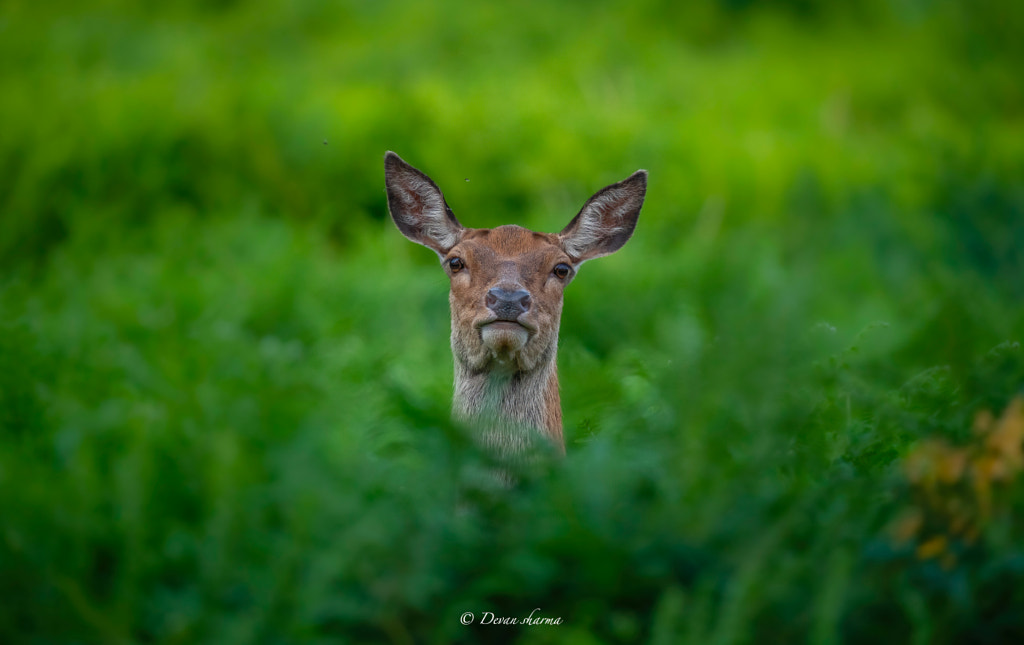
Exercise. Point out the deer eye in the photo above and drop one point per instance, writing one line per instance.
(456, 265)
(562, 270)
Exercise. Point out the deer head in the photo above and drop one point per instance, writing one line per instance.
(506, 296)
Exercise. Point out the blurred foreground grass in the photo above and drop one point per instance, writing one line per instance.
(224, 376)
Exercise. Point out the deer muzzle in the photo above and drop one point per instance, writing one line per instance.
(507, 304)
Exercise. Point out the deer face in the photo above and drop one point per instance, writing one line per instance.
(507, 282)
(506, 297)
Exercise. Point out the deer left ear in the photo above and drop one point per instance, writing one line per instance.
(418, 207)
(607, 220)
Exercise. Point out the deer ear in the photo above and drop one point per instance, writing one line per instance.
(607, 220)
(418, 207)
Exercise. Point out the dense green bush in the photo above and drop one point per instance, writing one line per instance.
(225, 377)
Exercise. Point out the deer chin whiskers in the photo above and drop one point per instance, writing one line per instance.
(504, 339)
(506, 300)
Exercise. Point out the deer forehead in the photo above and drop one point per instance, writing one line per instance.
(498, 250)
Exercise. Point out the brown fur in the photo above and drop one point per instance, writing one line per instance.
(505, 377)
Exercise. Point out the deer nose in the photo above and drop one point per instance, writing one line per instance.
(508, 305)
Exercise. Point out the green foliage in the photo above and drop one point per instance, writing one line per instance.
(225, 377)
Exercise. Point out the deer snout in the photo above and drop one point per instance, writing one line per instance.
(507, 304)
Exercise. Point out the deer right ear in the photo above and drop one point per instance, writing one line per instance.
(607, 220)
(418, 207)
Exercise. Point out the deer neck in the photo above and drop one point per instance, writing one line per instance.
(510, 409)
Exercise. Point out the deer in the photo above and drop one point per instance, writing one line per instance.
(506, 293)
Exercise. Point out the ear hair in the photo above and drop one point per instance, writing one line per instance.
(607, 220)
(417, 206)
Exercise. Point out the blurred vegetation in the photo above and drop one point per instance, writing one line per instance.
(225, 377)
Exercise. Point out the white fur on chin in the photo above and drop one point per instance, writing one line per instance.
(504, 339)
